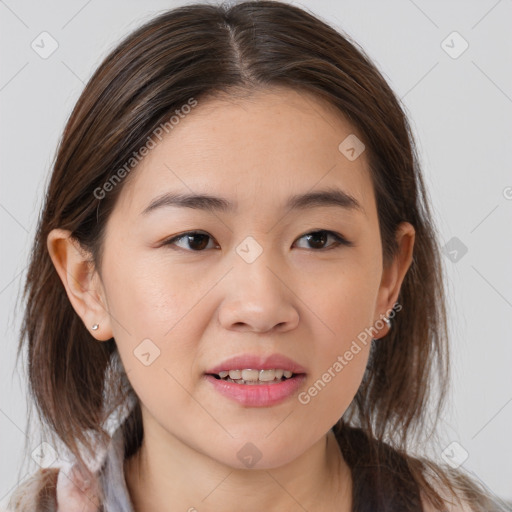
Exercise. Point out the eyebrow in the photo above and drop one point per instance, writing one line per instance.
(328, 197)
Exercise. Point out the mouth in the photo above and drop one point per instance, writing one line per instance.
(257, 381)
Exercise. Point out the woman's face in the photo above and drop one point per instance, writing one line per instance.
(255, 282)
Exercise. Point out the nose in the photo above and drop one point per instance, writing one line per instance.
(258, 299)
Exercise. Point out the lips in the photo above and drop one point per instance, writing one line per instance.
(259, 390)
(257, 362)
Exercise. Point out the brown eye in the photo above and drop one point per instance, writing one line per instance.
(192, 241)
(317, 240)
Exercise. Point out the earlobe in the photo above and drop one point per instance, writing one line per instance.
(82, 284)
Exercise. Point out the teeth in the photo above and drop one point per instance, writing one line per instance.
(266, 375)
(235, 374)
(251, 376)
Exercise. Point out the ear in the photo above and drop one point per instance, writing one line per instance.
(394, 273)
(81, 281)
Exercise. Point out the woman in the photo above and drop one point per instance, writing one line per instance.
(235, 297)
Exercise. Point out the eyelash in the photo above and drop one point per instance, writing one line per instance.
(339, 240)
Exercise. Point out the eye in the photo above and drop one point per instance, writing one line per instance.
(196, 241)
(318, 238)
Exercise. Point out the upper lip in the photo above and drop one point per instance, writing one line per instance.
(257, 362)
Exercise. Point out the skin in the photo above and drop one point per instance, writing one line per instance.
(202, 307)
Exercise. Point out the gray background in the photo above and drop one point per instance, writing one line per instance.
(460, 109)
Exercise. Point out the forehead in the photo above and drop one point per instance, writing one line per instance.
(261, 147)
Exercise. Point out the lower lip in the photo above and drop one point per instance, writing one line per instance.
(258, 395)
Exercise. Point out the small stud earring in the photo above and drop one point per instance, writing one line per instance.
(95, 327)
(388, 321)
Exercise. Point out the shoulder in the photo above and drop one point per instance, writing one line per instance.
(402, 478)
(461, 493)
(38, 490)
(56, 490)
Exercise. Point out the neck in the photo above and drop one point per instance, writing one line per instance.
(160, 474)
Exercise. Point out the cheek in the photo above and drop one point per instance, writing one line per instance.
(148, 296)
(344, 304)
(161, 369)
(335, 380)
(340, 359)
(157, 318)
(343, 299)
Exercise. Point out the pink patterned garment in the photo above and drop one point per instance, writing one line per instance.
(76, 494)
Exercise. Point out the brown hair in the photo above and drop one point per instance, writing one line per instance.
(199, 51)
